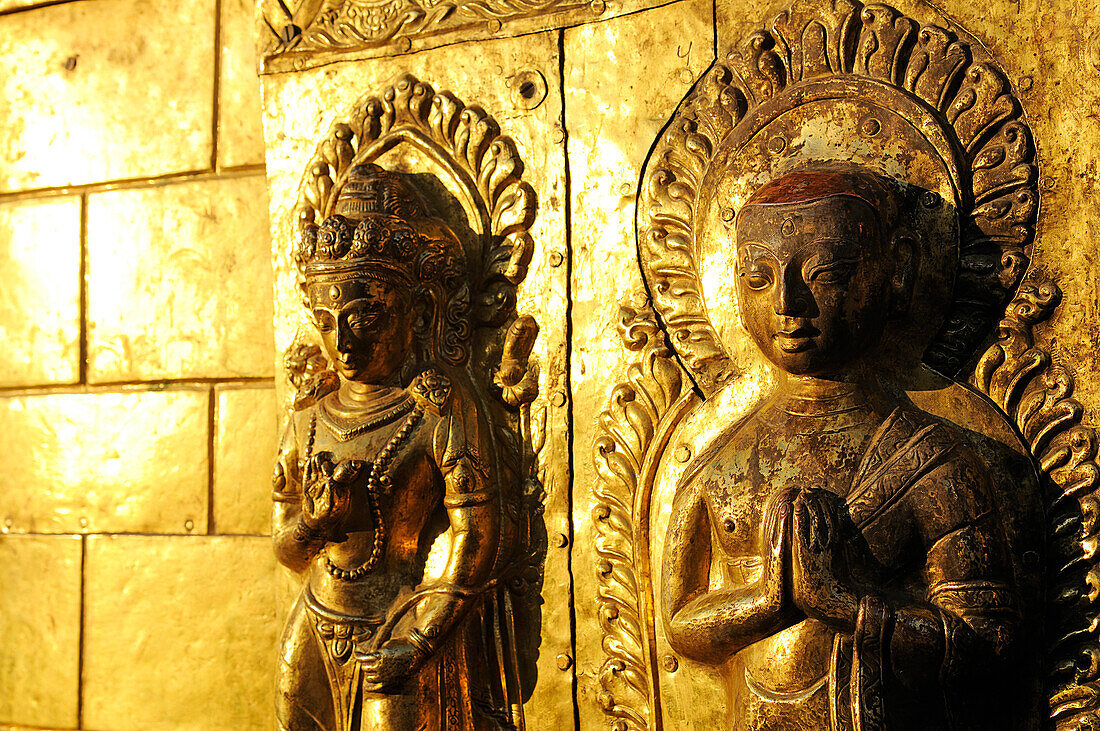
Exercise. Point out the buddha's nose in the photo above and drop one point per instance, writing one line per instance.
(791, 294)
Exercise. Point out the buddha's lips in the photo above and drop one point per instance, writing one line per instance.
(796, 340)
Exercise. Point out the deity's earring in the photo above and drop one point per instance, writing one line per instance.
(904, 244)
(423, 307)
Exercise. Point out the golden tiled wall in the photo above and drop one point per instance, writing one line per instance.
(137, 584)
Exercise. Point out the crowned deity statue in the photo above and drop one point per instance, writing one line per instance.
(387, 467)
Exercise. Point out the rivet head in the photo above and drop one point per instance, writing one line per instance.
(930, 199)
(189, 525)
(682, 453)
(730, 525)
(334, 292)
(564, 661)
(670, 663)
(869, 127)
(556, 259)
(776, 145)
(558, 399)
(563, 540)
(727, 214)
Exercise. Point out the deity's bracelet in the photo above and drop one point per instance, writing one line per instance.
(422, 642)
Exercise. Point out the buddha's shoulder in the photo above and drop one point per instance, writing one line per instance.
(729, 455)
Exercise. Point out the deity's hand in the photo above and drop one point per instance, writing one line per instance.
(389, 666)
(327, 494)
(775, 540)
(819, 575)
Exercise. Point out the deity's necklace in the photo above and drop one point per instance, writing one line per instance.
(377, 480)
(345, 431)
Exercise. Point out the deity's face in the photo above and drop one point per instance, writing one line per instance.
(366, 326)
(813, 281)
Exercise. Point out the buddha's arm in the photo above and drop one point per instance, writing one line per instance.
(295, 544)
(971, 617)
(713, 625)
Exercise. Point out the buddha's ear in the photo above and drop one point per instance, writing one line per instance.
(904, 246)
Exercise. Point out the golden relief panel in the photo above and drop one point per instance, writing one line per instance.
(770, 433)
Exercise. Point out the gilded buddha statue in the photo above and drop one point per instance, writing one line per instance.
(865, 572)
(382, 459)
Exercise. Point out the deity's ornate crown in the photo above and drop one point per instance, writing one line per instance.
(373, 232)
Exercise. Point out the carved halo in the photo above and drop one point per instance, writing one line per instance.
(465, 143)
(836, 80)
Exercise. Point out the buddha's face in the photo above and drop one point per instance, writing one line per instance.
(366, 326)
(813, 282)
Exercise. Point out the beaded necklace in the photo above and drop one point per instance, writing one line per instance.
(377, 482)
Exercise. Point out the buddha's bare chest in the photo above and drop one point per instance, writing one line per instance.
(738, 490)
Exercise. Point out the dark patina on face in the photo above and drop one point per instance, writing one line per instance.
(814, 271)
(366, 325)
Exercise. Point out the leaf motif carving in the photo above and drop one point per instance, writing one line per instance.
(1037, 394)
(654, 383)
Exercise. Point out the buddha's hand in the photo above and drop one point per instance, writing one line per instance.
(820, 582)
(775, 539)
(386, 668)
(327, 494)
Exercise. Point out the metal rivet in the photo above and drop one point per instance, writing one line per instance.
(598, 6)
(670, 663)
(930, 199)
(563, 540)
(870, 127)
(686, 77)
(556, 259)
(1048, 183)
(1025, 83)
(776, 145)
(730, 525)
(494, 25)
(404, 44)
(727, 214)
(558, 399)
(83, 522)
(564, 661)
(334, 292)
(189, 525)
(682, 453)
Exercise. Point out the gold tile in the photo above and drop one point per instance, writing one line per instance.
(179, 282)
(240, 134)
(180, 633)
(40, 306)
(40, 624)
(246, 426)
(105, 462)
(105, 89)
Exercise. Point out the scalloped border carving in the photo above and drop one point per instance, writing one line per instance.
(810, 42)
(1037, 395)
(634, 430)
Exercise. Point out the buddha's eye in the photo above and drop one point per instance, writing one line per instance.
(832, 272)
(362, 319)
(757, 277)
